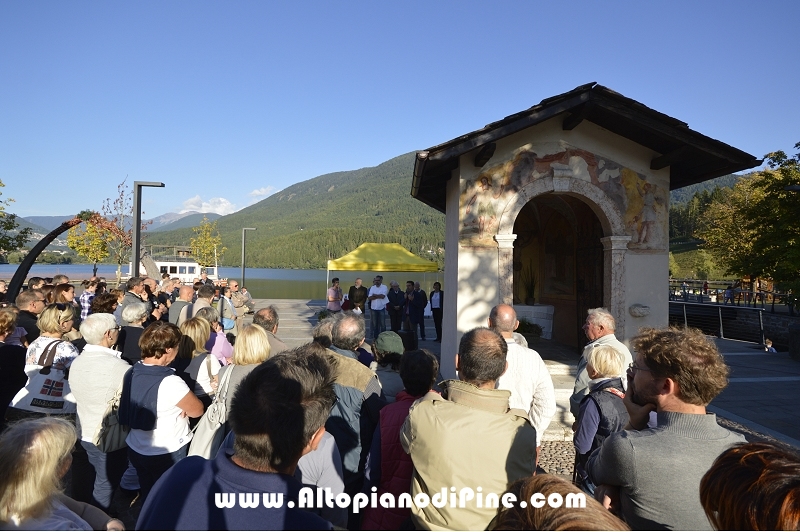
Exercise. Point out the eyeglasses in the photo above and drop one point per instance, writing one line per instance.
(633, 368)
(116, 328)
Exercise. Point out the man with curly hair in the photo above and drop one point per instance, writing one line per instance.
(651, 476)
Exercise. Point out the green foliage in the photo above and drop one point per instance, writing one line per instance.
(775, 220)
(674, 269)
(207, 244)
(690, 260)
(15, 257)
(11, 238)
(685, 194)
(54, 258)
(684, 218)
(89, 240)
(323, 218)
(755, 228)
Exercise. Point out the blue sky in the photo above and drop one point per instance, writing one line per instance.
(228, 102)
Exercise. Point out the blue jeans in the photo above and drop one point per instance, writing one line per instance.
(108, 470)
(377, 319)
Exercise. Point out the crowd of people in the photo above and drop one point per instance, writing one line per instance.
(354, 435)
(406, 309)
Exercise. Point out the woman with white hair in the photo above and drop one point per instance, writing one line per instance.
(134, 314)
(34, 456)
(95, 378)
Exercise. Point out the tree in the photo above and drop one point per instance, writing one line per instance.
(775, 222)
(726, 229)
(207, 245)
(119, 213)
(10, 238)
(89, 240)
(674, 269)
(755, 230)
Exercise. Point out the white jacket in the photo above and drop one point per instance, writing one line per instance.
(531, 387)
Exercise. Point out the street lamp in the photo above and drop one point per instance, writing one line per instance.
(243, 233)
(137, 222)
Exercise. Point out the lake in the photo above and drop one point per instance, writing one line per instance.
(262, 283)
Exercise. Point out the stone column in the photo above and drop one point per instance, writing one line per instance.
(614, 250)
(505, 267)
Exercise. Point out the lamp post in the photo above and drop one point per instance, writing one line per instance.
(243, 233)
(137, 222)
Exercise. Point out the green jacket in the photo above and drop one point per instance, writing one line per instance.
(465, 438)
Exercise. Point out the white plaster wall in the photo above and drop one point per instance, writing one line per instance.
(646, 283)
(474, 270)
(451, 335)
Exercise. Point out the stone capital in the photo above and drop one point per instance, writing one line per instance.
(505, 241)
(615, 243)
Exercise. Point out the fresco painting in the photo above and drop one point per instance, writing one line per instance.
(484, 198)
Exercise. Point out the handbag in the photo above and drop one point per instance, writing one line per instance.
(47, 390)
(210, 430)
(111, 434)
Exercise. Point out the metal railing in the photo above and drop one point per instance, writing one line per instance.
(719, 320)
(771, 301)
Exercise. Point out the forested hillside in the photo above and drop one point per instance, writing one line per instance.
(685, 194)
(686, 210)
(307, 223)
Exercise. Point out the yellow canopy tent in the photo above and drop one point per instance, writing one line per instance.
(382, 258)
(372, 257)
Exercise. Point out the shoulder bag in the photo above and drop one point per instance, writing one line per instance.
(47, 390)
(111, 434)
(210, 430)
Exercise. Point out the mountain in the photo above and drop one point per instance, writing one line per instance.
(23, 223)
(325, 217)
(155, 224)
(683, 195)
(48, 223)
(38, 231)
(180, 221)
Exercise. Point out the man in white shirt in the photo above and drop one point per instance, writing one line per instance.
(527, 377)
(377, 297)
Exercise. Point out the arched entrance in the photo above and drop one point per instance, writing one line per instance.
(558, 261)
(568, 236)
